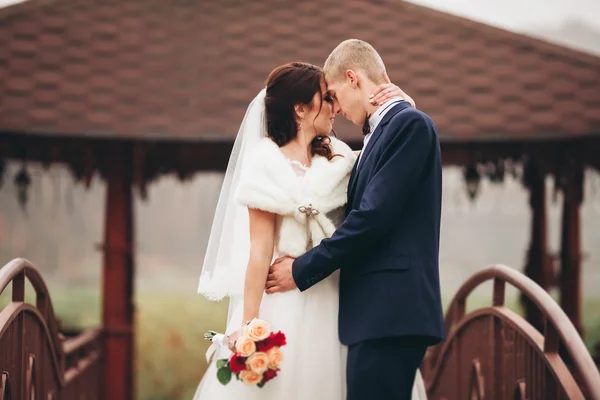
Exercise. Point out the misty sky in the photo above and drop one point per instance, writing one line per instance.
(520, 14)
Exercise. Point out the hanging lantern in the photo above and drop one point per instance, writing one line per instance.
(472, 178)
(22, 182)
(499, 170)
(489, 169)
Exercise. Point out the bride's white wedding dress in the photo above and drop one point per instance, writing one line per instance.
(314, 365)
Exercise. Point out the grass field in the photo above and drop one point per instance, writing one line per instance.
(170, 349)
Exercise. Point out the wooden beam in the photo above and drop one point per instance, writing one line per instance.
(570, 279)
(189, 156)
(117, 291)
(538, 263)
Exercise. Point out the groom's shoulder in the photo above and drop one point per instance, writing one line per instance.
(414, 123)
(412, 117)
(410, 114)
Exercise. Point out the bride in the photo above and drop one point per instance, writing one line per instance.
(284, 166)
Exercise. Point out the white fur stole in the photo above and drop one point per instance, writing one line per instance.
(270, 184)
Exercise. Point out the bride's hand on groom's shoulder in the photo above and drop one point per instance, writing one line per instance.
(280, 278)
(386, 91)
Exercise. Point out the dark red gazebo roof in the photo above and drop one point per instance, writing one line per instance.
(186, 70)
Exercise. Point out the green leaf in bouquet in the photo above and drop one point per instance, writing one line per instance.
(261, 384)
(221, 363)
(224, 375)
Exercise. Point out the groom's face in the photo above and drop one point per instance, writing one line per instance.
(348, 99)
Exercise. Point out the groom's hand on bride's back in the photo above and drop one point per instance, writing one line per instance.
(280, 278)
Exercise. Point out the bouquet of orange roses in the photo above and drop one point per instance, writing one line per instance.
(257, 358)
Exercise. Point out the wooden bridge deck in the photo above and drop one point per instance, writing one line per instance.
(491, 353)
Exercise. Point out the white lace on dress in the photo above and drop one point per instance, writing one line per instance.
(299, 168)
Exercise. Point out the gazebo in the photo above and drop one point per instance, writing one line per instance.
(133, 90)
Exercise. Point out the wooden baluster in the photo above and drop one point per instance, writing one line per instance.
(499, 292)
(30, 379)
(18, 287)
(520, 390)
(5, 390)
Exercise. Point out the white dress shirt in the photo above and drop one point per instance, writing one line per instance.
(375, 119)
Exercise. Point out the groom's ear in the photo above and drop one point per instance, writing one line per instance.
(352, 78)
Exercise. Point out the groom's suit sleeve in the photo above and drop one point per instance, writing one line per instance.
(410, 144)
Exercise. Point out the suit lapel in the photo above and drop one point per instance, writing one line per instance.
(374, 138)
(353, 176)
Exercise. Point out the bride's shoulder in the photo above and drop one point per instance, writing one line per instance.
(265, 146)
(264, 153)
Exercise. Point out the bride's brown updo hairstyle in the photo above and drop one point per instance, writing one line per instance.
(288, 85)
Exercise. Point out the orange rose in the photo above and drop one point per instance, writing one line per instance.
(258, 330)
(275, 357)
(258, 362)
(245, 346)
(250, 377)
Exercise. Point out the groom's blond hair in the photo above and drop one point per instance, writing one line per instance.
(357, 55)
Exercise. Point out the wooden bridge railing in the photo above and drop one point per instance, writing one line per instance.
(36, 361)
(493, 353)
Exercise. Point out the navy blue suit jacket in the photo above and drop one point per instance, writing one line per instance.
(387, 247)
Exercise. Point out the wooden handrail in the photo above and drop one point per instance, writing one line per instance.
(558, 325)
(43, 302)
(12, 311)
(73, 373)
(14, 268)
(527, 332)
(72, 359)
(80, 342)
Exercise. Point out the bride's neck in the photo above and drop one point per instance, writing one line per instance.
(300, 148)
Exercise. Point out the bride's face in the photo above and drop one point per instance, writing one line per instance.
(322, 112)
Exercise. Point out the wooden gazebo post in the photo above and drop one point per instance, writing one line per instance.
(118, 307)
(537, 266)
(570, 278)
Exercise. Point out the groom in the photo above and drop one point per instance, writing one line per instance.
(387, 247)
